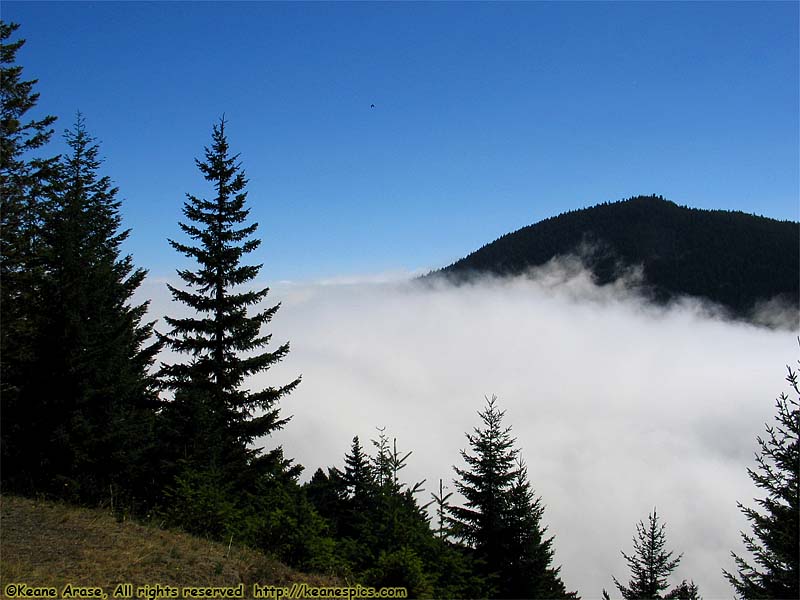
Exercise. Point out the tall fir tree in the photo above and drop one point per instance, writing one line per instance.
(24, 180)
(93, 389)
(485, 485)
(501, 519)
(213, 419)
(775, 542)
(651, 565)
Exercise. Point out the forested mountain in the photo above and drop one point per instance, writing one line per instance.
(732, 258)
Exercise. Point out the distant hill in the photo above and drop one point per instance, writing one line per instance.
(732, 258)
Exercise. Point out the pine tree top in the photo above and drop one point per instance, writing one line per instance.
(650, 564)
(18, 97)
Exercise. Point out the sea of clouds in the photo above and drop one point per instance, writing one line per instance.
(618, 406)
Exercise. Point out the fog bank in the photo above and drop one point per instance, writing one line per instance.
(617, 406)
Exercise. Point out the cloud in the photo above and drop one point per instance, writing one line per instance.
(617, 405)
(778, 312)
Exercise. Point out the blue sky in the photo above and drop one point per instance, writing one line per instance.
(488, 117)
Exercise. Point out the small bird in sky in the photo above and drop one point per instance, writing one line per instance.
(372, 106)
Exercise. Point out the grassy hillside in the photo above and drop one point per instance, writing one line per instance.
(50, 544)
(732, 258)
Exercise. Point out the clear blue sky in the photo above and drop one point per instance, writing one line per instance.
(488, 117)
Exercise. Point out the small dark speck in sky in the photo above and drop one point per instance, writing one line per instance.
(372, 106)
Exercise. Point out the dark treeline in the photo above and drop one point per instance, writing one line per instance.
(88, 417)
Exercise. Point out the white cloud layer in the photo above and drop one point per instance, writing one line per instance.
(617, 406)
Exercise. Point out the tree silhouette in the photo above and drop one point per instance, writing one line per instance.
(24, 181)
(501, 518)
(651, 564)
(213, 419)
(774, 545)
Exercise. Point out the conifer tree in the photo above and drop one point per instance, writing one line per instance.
(651, 564)
(775, 543)
(398, 520)
(500, 519)
(390, 530)
(442, 509)
(327, 492)
(485, 485)
(530, 555)
(387, 464)
(213, 419)
(357, 474)
(93, 388)
(24, 178)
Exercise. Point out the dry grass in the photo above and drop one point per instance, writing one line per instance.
(51, 544)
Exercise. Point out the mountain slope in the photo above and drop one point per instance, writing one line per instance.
(52, 544)
(732, 258)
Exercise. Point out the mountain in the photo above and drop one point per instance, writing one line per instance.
(735, 259)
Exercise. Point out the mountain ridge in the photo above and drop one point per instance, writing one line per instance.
(735, 259)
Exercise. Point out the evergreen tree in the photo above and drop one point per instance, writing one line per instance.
(379, 516)
(651, 564)
(442, 509)
(383, 535)
(774, 545)
(357, 475)
(485, 486)
(398, 521)
(501, 519)
(213, 420)
(24, 178)
(327, 492)
(530, 555)
(96, 398)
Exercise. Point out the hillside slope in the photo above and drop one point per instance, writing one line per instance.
(732, 258)
(50, 544)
